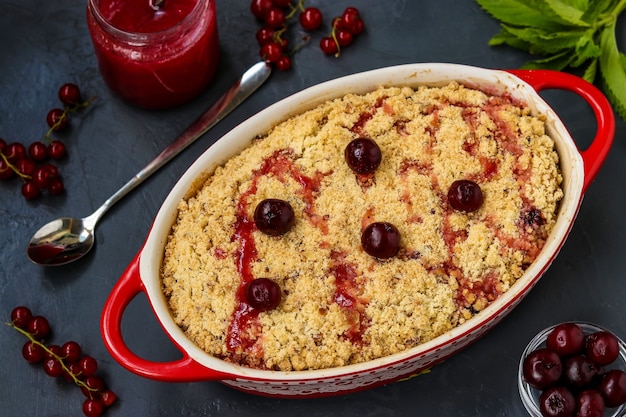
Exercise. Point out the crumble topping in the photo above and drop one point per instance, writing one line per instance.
(340, 305)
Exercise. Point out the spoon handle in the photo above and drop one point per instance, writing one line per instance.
(252, 79)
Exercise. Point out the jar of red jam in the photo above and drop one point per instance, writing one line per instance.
(155, 56)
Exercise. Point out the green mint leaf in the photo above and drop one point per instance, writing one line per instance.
(581, 5)
(563, 11)
(556, 62)
(507, 38)
(586, 49)
(523, 13)
(596, 8)
(567, 33)
(546, 42)
(612, 71)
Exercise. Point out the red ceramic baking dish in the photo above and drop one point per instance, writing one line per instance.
(579, 167)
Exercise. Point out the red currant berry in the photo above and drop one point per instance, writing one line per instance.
(6, 171)
(56, 186)
(336, 23)
(271, 52)
(43, 176)
(32, 352)
(357, 27)
(602, 347)
(39, 327)
(54, 351)
(30, 190)
(92, 408)
(259, 8)
(108, 398)
(265, 35)
(381, 240)
(344, 37)
(274, 217)
(15, 151)
(71, 351)
(542, 368)
(352, 21)
(38, 152)
(21, 316)
(275, 17)
(363, 155)
(74, 370)
(69, 94)
(57, 119)
(88, 365)
(613, 388)
(51, 169)
(263, 294)
(52, 367)
(566, 339)
(557, 402)
(351, 11)
(93, 384)
(465, 195)
(328, 45)
(26, 166)
(3, 144)
(311, 18)
(284, 63)
(56, 149)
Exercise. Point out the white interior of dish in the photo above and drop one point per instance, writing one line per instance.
(412, 75)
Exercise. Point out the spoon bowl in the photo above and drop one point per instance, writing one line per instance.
(68, 239)
(60, 242)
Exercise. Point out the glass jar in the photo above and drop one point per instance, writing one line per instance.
(155, 57)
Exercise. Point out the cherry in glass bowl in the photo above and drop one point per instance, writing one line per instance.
(530, 395)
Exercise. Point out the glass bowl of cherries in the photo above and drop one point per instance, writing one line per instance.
(574, 369)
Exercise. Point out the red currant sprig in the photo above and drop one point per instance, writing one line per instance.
(67, 360)
(276, 15)
(34, 178)
(31, 165)
(70, 97)
(345, 28)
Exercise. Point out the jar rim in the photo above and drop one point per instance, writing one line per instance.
(174, 30)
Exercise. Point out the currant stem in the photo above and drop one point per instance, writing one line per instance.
(56, 124)
(333, 34)
(305, 40)
(55, 356)
(294, 9)
(66, 112)
(24, 177)
(278, 35)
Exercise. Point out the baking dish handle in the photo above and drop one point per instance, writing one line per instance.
(595, 154)
(182, 370)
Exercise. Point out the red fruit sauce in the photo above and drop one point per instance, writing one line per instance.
(244, 329)
(155, 58)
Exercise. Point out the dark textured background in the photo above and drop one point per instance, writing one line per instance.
(45, 43)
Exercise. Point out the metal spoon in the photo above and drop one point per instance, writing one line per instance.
(67, 239)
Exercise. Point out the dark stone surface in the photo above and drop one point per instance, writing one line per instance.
(44, 44)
